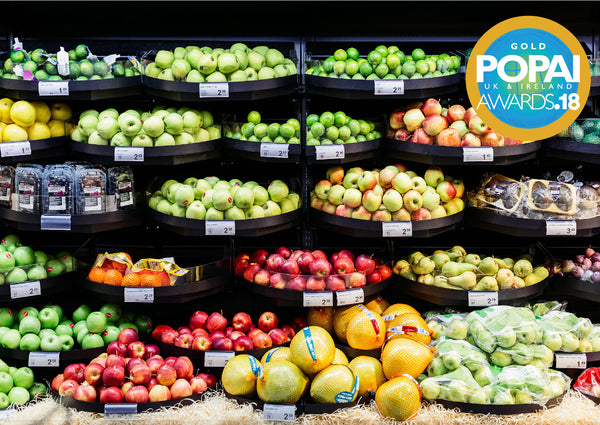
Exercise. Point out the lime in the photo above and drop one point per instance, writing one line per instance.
(266, 139)
(361, 138)
(382, 70)
(247, 129)
(323, 74)
(9, 65)
(273, 130)
(365, 128)
(352, 53)
(286, 131)
(358, 77)
(312, 142)
(253, 138)
(59, 78)
(437, 74)
(418, 54)
(432, 64)
(339, 67)
(373, 76)
(279, 139)
(428, 75)
(340, 55)
(351, 139)
(392, 49)
(365, 69)
(81, 51)
(351, 67)
(327, 119)
(354, 127)
(433, 57)
(409, 68)
(41, 75)
(344, 133)
(260, 130)
(332, 75)
(416, 76)
(326, 142)
(328, 64)
(294, 123)
(317, 129)
(294, 141)
(393, 61)
(344, 76)
(382, 50)
(338, 142)
(74, 71)
(38, 55)
(441, 65)
(313, 70)
(339, 118)
(455, 62)
(371, 125)
(254, 117)
(332, 133)
(50, 68)
(400, 54)
(390, 76)
(398, 71)
(374, 57)
(370, 136)
(30, 65)
(360, 61)
(17, 56)
(72, 55)
(422, 67)
(311, 119)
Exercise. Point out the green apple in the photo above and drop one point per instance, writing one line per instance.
(54, 268)
(23, 377)
(40, 257)
(37, 390)
(195, 210)
(27, 311)
(222, 199)
(46, 332)
(172, 189)
(66, 342)
(3, 366)
(81, 313)
(144, 324)
(30, 342)
(154, 126)
(49, 318)
(87, 124)
(261, 195)
(271, 208)
(177, 210)
(184, 195)
(110, 334)
(185, 138)
(7, 261)
(180, 68)
(126, 325)
(37, 272)
(165, 139)
(7, 317)
(164, 207)
(50, 343)
(63, 329)
(173, 123)
(96, 322)
(113, 312)
(256, 60)
(6, 382)
(277, 190)
(107, 127)
(129, 124)
(207, 63)
(120, 139)
(3, 330)
(30, 324)
(4, 401)
(255, 211)
(234, 213)
(77, 327)
(18, 396)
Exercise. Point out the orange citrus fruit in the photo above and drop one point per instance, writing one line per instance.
(149, 280)
(131, 279)
(113, 277)
(96, 275)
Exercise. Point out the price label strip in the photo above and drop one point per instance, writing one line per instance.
(138, 295)
(15, 149)
(325, 152)
(55, 222)
(53, 88)
(389, 87)
(396, 229)
(317, 299)
(43, 359)
(214, 90)
(129, 154)
(484, 154)
(279, 412)
(219, 228)
(561, 228)
(483, 298)
(217, 358)
(120, 409)
(570, 361)
(273, 150)
(350, 297)
(25, 289)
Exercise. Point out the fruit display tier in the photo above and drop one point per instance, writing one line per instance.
(343, 153)
(47, 287)
(448, 155)
(159, 155)
(264, 152)
(236, 91)
(88, 223)
(250, 228)
(32, 150)
(289, 297)
(75, 90)
(499, 409)
(361, 228)
(65, 357)
(200, 281)
(573, 287)
(565, 149)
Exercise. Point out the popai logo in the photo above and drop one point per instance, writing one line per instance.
(528, 78)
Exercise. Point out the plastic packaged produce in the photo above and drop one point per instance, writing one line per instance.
(90, 190)
(7, 181)
(588, 383)
(28, 187)
(58, 189)
(120, 188)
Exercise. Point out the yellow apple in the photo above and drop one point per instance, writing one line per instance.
(23, 113)
(57, 128)
(61, 111)
(38, 130)
(14, 133)
(42, 111)
(5, 105)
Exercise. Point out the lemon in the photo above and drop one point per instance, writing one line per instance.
(42, 111)
(281, 382)
(14, 133)
(398, 398)
(38, 131)
(22, 113)
(334, 384)
(312, 349)
(404, 356)
(61, 111)
(240, 375)
(370, 374)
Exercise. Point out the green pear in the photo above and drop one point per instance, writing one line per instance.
(457, 329)
(472, 259)
(523, 267)
(452, 268)
(501, 263)
(414, 257)
(509, 262)
(440, 258)
(466, 280)
(424, 266)
(488, 266)
(486, 283)
(505, 278)
(426, 279)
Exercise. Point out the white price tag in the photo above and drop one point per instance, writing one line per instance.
(133, 154)
(483, 298)
(317, 299)
(63, 61)
(119, 409)
(53, 88)
(110, 59)
(25, 289)
(138, 295)
(350, 296)
(396, 229)
(43, 359)
(274, 150)
(214, 89)
(484, 154)
(570, 360)
(219, 228)
(17, 45)
(561, 228)
(217, 358)
(389, 87)
(279, 412)
(15, 149)
(324, 152)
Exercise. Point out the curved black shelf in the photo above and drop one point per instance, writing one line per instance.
(352, 152)
(251, 151)
(524, 227)
(159, 155)
(576, 288)
(288, 297)
(252, 227)
(365, 89)
(49, 286)
(241, 90)
(90, 223)
(449, 155)
(567, 149)
(78, 90)
(40, 149)
(366, 228)
(66, 357)
(499, 409)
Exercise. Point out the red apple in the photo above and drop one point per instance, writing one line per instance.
(385, 271)
(228, 331)
(304, 262)
(155, 362)
(170, 360)
(113, 376)
(267, 321)
(153, 382)
(431, 106)
(397, 119)
(421, 214)
(241, 322)
(250, 271)
(274, 261)
(469, 113)
(184, 367)
(168, 336)
(111, 394)
(434, 124)
(343, 265)
(117, 348)
(68, 387)
(222, 344)
(259, 256)
(184, 330)
(277, 336)
(215, 335)
(278, 281)
(296, 254)
(158, 331)
(356, 280)
(402, 134)
(137, 394)
(261, 340)
(93, 373)
(136, 349)
(335, 283)
(289, 331)
(140, 374)
(470, 139)
(159, 393)
(491, 138)
(421, 137)
(455, 113)
(242, 256)
(240, 266)
(127, 336)
(289, 267)
(235, 335)
(320, 267)
(297, 283)
(299, 322)
(254, 332)
(477, 126)
(75, 372)
(315, 284)
(166, 375)
(85, 393)
(198, 385)
(125, 387)
(364, 264)
(262, 277)
(57, 381)
(374, 277)
(449, 137)
(199, 332)
(181, 388)
(201, 343)
(114, 360)
(216, 322)
(317, 253)
(131, 362)
(243, 343)
(211, 380)
(284, 252)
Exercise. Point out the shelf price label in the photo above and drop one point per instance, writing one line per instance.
(484, 154)
(138, 295)
(483, 298)
(15, 149)
(325, 152)
(43, 359)
(561, 228)
(217, 358)
(214, 89)
(396, 229)
(219, 228)
(129, 154)
(389, 87)
(317, 299)
(25, 289)
(53, 88)
(350, 297)
(120, 409)
(570, 361)
(279, 412)
(55, 222)
(273, 150)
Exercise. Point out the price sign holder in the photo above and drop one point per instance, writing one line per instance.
(326, 152)
(138, 295)
(55, 222)
(483, 298)
(120, 409)
(561, 228)
(220, 90)
(129, 154)
(478, 154)
(279, 412)
(274, 150)
(317, 299)
(350, 297)
(53, 88)
(25, 289)
(15, 149)
(396, 229)
(570, 360)
(217, 358)
(219, 228)
(389, 87)
(43, 359)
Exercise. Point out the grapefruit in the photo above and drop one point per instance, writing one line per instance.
(397, 309)
(334, 384)
(341, 318)
(42, 111)
(38, 131)
(378, 305)
(22, 113)
(281, 382)
(240, 375)
(277, 353)
(312, 349)
(401, 326)
(14, 133)
(370, 374)
(340, 357)
(321, 316)
(399, 398)
(366, 330)
(404, 356)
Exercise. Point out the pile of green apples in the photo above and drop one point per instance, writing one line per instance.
(456, 269)
(49, 329)
(161, 126)
(19, 263)
(195, 64)
(211, 198)
(256, 131)
(82, 66)
(18, 386)
(338, 128)
(385, 62)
